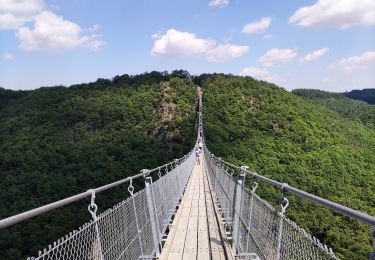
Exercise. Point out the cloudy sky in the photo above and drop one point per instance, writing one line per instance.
(325, 44)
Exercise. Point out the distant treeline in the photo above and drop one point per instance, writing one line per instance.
(367, 95)
(347, 107)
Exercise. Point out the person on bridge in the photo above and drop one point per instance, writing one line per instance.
(197, 155)
(200, 145)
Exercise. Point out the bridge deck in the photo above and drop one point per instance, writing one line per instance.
(196, 232)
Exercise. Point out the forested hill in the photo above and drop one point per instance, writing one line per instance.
(307, 145)
(367, 95)
(57, 142)
(350, 108)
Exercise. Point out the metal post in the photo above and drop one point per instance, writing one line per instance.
(131, 191)
(218, 169)
(251, 214)
(179, 184)
(97, 245)
(164, 206)
(153, 217)
(236, 210)
(280, 234)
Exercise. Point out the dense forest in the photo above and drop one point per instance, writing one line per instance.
(350, 108)
(59, 141)
(56, 142)
(309, 145)
(367, 95)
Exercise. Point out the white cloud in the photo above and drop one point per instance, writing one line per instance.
(314, 55)
(263, 73)
(176, 43)
(336, 13)
(277, 55)
(225, 52)
(356, 62)
(259, 73)
(219, 3)
(49, 32)
(52, 33)
(258, 26)
(21, 6)
(182, 44)
(8, 56)
(15, 13)
(155, 36)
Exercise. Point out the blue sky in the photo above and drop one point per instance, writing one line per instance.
(325, 44)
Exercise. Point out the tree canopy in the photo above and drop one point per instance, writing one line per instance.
(309, 145)
(57, 142)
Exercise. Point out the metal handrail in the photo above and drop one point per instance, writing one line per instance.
(363, 217)
(6, 222)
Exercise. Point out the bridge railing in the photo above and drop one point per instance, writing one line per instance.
(259, 228)
(132, 229)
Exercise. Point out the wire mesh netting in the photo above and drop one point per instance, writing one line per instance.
(258, 230)
(132, 229)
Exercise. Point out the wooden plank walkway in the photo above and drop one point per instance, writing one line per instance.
(196, 232)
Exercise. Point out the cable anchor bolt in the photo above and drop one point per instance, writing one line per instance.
(131, 187)
(92, 208)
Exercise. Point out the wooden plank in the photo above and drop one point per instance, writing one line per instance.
(221, 229)
(190, 248)
(203, 239)
(178, 244)
(214, 238)
(176, 222)
(217, 245)
(195, 232)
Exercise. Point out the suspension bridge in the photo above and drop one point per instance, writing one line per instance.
(198, 207)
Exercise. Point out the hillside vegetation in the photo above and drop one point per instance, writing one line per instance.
(350, 108)
(367, 95)
(307, 145)
(57, 142)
